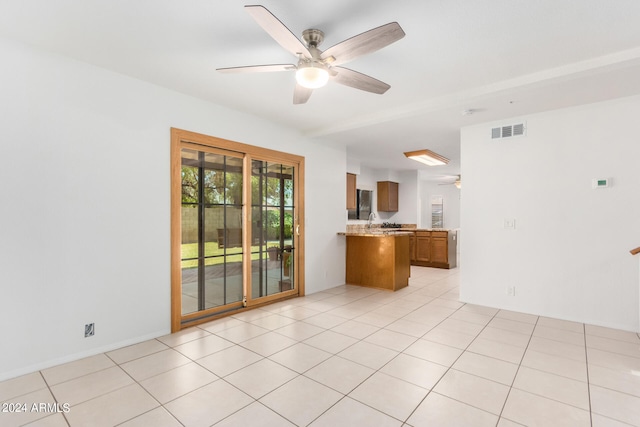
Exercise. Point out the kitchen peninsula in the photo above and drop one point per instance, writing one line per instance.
(378, 259)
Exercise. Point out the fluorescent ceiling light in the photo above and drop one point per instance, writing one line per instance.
(312, 75)
(427, 157)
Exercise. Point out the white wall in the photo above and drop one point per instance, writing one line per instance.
(568, 256)
(450, 199)
(408, 197)
(85, 190)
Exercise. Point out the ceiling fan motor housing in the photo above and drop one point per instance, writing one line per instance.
(312, 37)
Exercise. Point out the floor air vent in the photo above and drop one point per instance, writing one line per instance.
(508, 131)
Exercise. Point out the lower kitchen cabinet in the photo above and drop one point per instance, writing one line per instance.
(434, 248)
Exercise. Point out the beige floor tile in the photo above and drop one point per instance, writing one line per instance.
(273, 321)
(76, 369)
(479, 309)
(615, 334)
(221, 324)
(158, 417)
(614, 346)
(557, 348)
(301, 400)
(367, 354)
(479, 319)
(487, 367)
(503, 422)
(300, 313)
(555, 365)
(136, 351)
(389, 339)
(472, 390)
(177, 382)
(434, 352)
(299, 331)
(379, 320)
(554, 387)
(414, 329)
(598, 420)
(92, 385)
(255, 415)
(498, 350)
(154, 364)
(614, 361)
(208, 405)
(330, 341)
(325, 320)
(414, 370)
(260, 378)
(21, 385)
(439, 410)
(250, 315)
(300, 357)
(505, 337)
(512, 325)
(560, 335)
(625, 382)
(442, 302)
(241, 333)
(268, 344)
(561, 324)
(537, 411)
(183, 336)
(357, 330)
(202, 347)
(461, 326)
(339, 374)
(349, 412)
(19, 411)
(112, 408)
(518, 317)
(56, 420)
(613, 404)
(229, 360)
(450, 338)
(393, 396)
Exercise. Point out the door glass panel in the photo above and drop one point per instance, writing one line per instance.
(211, 220)
(273, 216)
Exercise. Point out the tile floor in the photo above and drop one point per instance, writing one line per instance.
(353, 356)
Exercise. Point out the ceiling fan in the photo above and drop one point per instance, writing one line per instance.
(457, 182)
(315, 67)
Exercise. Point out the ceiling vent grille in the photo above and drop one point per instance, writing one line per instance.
(508, 131)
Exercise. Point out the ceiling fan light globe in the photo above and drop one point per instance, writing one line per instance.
(312, 77)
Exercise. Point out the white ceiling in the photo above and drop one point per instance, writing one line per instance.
(501, 58)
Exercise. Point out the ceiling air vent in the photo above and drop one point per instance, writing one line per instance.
(508, 131)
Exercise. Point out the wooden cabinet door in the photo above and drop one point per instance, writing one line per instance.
(412, 247)
(351, 191)
(387, 196)
(423, 247)
(439, 250)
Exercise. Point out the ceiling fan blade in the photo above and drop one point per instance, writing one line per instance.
(258, 68)
(364, 43)
(277, 30)
(301, 94)
(358, 80)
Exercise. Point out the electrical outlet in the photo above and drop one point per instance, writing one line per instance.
(510, 223)
(89, 330)
(511, 291)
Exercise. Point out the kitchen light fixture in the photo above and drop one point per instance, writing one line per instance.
(312, 75)
(427, 157)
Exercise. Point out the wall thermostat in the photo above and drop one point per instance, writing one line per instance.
(600, 183)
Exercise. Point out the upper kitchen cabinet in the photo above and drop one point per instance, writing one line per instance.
(387, 196)
(351, 191)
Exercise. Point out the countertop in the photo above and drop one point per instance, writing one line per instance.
(381, 232)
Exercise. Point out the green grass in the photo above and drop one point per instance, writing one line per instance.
(211, 249)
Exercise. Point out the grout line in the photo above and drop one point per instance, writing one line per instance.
(586, 361)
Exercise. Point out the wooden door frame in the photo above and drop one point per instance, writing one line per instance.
(181, 137)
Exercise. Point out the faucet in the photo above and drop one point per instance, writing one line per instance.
(372, 216)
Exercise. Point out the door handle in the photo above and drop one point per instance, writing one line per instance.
(298, 230)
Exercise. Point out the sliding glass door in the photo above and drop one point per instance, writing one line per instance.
(236, 239)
